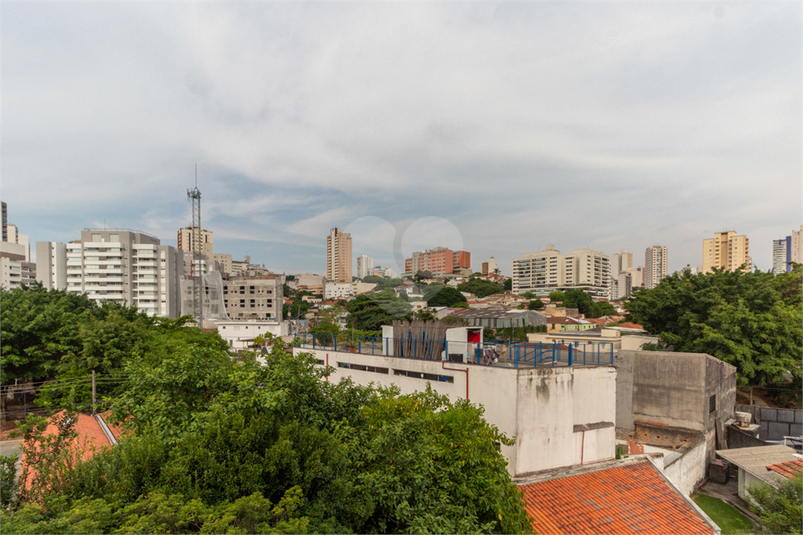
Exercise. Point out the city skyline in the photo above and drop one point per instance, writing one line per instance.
(490, 128)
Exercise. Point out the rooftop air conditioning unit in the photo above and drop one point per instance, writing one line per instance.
(743, 418)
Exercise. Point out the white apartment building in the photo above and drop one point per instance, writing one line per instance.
(654, 266)
(786, 250)
(546, 271)
(127, 267)
(365, 266)
(51, 265)
(14, 236)
(12, 256)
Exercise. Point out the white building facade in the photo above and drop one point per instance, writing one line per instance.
(654, 266)
(51, 265)
(546, 271)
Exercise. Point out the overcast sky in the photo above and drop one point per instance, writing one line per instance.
(496, 128)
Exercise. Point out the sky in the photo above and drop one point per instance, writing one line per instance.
(491, 127)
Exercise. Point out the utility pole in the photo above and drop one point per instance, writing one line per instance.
(94, 398)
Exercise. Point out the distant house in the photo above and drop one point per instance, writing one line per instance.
(758, 465)
(567, 324)
(614, 497)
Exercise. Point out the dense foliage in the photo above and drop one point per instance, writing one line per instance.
(779, 509)
(221, 444)
(751, 320)
(585, 304)
(369, 311)
(443, 296)
(480, 288)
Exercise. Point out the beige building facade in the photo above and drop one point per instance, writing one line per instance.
(338, 256)
(727, 250)
(186, 236)
(654, 266)
(546, 271)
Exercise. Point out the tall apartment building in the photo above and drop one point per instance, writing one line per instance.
(654, 266)
(728, 251)
(51, 265)
(489, 267)
(257, 297)
(338, 256)
(14, 236)
(128, 267)
(621, 280)
(786, 250)
(186, 237)
(438, 261)
(546, 271)
(4, 208)
(365, 266)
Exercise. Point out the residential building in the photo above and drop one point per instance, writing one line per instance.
(490, 266)
(338, 290)
(254, 297)
(51, 265)
(621, 262)
(437, 261)
(188, 236)
(240, 334)
(5, 220)
(365, 266)
(14, 236)
(389, 273)
(616, 497)
(338, 256)
(787, 250)
(28, 273)
(762, 465)
(128, 267)
(12, 256)
(546, 271)
(728, 251)
(225, 261)
(654, 266)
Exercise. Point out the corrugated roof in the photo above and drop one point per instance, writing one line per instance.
(788, 469)
(757, 459)
(632, 498)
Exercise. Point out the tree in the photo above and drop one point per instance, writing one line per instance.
(581, 301)
(557, 296)
(750, 320)
(779, 509)
(368, 312)
(480, 288)
(508, 285)
(535, 304)
(529, 295)
(446, 297)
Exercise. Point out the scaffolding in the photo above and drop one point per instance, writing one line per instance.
(196, 274)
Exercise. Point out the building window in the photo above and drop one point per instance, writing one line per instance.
(712, 404)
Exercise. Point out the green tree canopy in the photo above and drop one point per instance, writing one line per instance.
(557, 296)
(445, 297)
(751, 320)
(779, 509)
(369, 311)
(480, 288)
(535, 304)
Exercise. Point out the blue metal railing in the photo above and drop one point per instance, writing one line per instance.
(515, 354)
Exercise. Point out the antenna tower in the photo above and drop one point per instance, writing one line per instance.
(196, 277)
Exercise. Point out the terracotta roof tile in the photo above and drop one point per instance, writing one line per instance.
(788, 469)
(633, 498)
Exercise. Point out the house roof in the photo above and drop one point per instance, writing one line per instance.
(563, 320)
(630, 498)
(758, 459)
(789, 469)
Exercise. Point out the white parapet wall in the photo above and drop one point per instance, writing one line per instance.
(559, 416)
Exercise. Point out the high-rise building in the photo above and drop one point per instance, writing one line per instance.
(621, 262)
(365, 266)
(5, 220)
(186, 236)
(438, 261)
(12, 256)
(128, 267)
(489, 267)
(654, 266)
(338, 256)
(254, 297)
(787, 250)
(727, 251)
(546, 271)
(51, 265)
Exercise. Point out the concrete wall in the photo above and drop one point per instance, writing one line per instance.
(740, 439)
(688, 469)
(775, 423)
(635, 341)
(673, 389)
(558, 415)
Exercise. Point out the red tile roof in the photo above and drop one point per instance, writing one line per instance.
(633, 498)
(789, 469)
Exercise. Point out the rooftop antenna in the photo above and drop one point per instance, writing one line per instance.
(196, 277)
